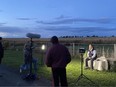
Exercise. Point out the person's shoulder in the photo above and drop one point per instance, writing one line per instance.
(58, 46)
(62, 45)
(94, 50)
(51, 48)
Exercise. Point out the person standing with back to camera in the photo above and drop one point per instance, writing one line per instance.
(1, 50)
(91, 55)
(57, 57)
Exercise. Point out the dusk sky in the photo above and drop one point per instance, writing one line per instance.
(57, 17)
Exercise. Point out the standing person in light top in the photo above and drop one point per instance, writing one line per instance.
(57, 57)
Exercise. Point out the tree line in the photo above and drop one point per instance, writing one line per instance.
(84, 36)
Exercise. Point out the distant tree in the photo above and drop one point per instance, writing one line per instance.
(96, 36)
(112, 36)
(6, 44)
(93, 36)
(69, 36)
(66, 36)
(63, 36)
(72, 36)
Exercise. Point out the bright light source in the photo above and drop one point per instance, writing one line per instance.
(43, 47)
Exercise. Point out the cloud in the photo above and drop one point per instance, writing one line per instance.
(3, 34)
(75, 20)
(8, 31)
(94, 30)
(67, 30)
(80, 29)
(1, 10)
(26, 18)
(61, 17)
(48, 31)
(14, 32)
(11, 35)
(40, 22)
(56, 28)
(1, 24)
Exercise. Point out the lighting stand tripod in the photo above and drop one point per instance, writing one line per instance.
(82, 75)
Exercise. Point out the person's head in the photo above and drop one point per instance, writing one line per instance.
(91, 47)
(54, 40)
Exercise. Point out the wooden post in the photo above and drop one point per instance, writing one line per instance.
(103, 53)
(73, 50)
(114, 50)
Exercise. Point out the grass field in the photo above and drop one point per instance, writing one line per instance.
(102, 78)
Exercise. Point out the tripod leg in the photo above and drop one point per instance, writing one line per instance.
(88, 79)
(79, 78)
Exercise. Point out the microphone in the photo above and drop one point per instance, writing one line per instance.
(31, 35)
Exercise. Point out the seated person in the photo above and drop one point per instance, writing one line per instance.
(91, 55)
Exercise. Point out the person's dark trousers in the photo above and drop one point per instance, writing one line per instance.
(86, 60)
(92, 62)
(0, 60)
(59, 76)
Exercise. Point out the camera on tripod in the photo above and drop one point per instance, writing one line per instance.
(81, 50)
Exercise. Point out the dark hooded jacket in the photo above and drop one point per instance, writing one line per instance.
(57, 56)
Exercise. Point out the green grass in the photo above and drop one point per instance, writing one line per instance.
(13, 58)
(102, 78)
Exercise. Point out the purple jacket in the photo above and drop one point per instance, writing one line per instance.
(57, 56)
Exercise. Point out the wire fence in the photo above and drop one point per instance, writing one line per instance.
(107, 50)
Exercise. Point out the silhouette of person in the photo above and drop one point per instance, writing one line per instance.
(57, 57)
(1, 50)
(27, 57)
(27, 51)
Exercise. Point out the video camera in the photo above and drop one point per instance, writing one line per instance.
(81, 50)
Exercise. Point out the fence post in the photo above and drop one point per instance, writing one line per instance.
(103, 53)
(114, 50)
(73, 50)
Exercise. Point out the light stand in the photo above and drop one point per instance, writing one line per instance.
(31, 56)
(43, 48)
(82, 75)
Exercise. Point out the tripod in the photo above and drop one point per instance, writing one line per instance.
(82, 75)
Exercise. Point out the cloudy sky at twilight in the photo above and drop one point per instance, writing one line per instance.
(57, 17)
